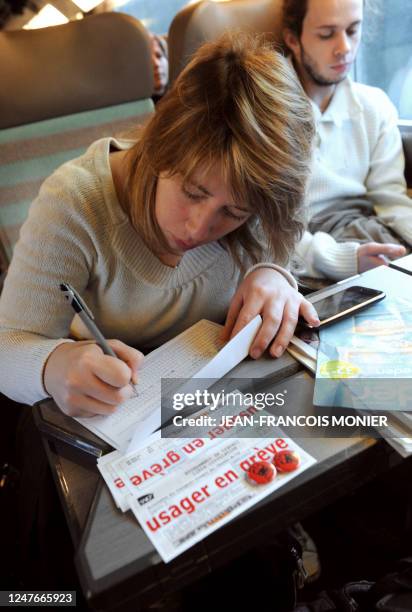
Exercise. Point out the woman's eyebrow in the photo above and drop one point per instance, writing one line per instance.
(207, 193)
(196, 185)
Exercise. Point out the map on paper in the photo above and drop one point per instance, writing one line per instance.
(360, 357)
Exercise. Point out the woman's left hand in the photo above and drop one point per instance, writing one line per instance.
(267, 292)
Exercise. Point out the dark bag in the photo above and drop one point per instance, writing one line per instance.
(392, 593)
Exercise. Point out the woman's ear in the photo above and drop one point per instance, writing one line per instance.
(291, 41)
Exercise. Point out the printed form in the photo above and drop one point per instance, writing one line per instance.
(193, 353)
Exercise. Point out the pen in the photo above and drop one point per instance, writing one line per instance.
(86, 315)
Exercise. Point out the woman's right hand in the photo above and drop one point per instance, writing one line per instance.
(83, 381)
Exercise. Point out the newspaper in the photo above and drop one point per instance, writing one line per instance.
(183, 489)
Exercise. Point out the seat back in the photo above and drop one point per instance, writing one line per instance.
(62, 88)
(99, 61)
(206, 20)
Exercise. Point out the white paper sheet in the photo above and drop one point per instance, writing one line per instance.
(182, 357)
(225, 360)
(233, 353)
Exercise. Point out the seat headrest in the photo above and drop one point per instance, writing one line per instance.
(100, 61)
(207, 20)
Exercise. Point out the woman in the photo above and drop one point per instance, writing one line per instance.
(159, 232)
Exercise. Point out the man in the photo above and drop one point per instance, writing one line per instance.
(160, 63)
(357, 191)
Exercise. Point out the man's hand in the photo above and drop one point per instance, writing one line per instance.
(373, 254)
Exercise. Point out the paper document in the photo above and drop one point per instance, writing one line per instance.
(304, 346)
(398, 436)
(183, 489)
(182, 357)
(232, 353)
(302, 357)
(204, 495)
(106, 465)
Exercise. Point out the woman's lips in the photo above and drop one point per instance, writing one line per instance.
(184, 246)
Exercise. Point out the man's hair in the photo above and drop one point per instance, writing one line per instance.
(239, 105)
(293, 14)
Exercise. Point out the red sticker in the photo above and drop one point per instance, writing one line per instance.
(286, 461)
(261, 472)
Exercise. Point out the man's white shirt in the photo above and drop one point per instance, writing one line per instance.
(357, 154)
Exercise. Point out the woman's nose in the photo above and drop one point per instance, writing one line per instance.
(200, 224)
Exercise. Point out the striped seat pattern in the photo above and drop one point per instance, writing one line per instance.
(30, 153)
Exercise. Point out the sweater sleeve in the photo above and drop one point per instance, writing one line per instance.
(283, 271)
(386, 185)
(320, 256)
(54, 246)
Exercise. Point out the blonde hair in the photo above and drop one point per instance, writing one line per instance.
(237, 104)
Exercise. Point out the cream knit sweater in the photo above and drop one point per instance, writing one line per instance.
(77, 232)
